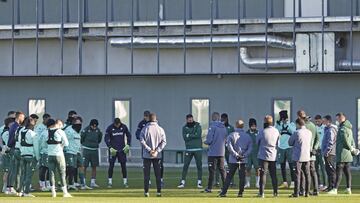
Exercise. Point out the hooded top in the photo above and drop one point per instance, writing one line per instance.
(328, 145)
(301, 143)
(344, 143)
(216, 139)
(267, 141)
(239, 143)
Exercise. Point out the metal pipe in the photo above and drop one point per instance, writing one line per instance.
(211, 36)
(106, 35)
(266, 34)
(263, 63)
(294, 34)
(163, 10)
(190, 10)
(184, 35)
(204, 41)
(86, 11)
(348, 64)
(238, 35)
(244, 9)
(67, 11)
(351, 35)
(112, 11)
(158, 38)
(62, 38)
(42, 11)
(80, 37)
(217, 9)
(13, 38)
(322, 35)
(132, 37)
(37, 36)
(18, 11)
(137, 10)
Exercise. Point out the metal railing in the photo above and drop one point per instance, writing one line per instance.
(188, 11)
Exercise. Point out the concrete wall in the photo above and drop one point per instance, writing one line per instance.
(240, 96)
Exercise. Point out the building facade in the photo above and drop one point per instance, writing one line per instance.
(117, 58)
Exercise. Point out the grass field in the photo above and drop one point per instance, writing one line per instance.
(173, 195)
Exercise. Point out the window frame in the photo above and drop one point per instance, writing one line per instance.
(130, 109)
(201, 98)
(28, 107)
(282, 98)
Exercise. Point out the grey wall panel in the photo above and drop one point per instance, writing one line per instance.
(71, 56)
(194, 65)
(170, 97)
(52, 11)
(49, 57)
(73, 11)
(309, 8)
(175, 65)
(201, 9)
(119, 60)
(96, 10)
(228, 9)
(5, 57)
(25, 57)
(257, 8)
(122, 10)
(343, 8)
(145, 61)
(5, 12)
(278, 8)
(174, 9)
(93, 57)
(27, 11)
(148, 10)
(225, 60)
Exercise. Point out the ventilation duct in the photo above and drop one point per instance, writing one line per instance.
(345, 65)
(203, 41)
(221, 41)
(260, 63)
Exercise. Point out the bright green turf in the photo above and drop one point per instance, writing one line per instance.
(173, 195)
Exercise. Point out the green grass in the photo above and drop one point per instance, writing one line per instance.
(173, 195)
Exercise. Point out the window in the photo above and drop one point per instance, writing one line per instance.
(280, 105)
(37, 106)
(122, 111)
(201, 111)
